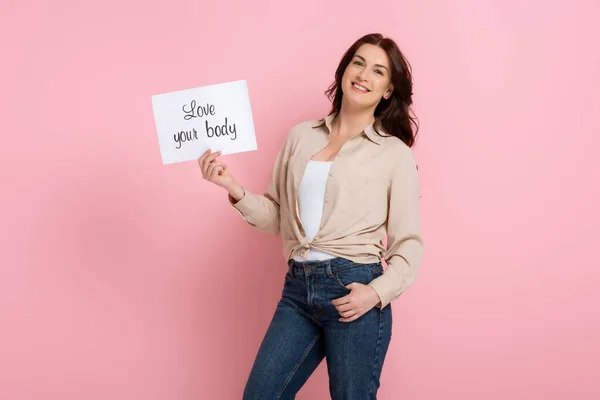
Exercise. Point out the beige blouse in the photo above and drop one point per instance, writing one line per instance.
(372, 190)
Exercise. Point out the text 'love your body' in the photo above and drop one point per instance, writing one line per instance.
(193, 111)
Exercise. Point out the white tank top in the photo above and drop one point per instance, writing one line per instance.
(311, 197)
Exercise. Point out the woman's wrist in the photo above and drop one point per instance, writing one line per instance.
(236, 192)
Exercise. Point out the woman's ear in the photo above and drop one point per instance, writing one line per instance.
(388, 92)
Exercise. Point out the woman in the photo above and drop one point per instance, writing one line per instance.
(337, 188)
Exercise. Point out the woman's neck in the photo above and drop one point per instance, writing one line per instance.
(350, 123)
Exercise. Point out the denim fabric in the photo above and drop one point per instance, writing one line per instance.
(306, 328)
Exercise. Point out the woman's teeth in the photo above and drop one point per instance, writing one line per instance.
(362, 88)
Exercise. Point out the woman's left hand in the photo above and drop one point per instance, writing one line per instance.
(356, 303)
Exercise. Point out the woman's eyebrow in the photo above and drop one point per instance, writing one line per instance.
(377, 65)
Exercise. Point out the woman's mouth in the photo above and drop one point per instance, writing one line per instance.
(360, 88)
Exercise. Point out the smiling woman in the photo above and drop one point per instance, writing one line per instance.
(377, 61)
(360, 73)
(339, 185)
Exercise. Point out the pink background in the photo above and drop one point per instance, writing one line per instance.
(121, 278)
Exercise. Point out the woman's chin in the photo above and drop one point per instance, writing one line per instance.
(357, 101)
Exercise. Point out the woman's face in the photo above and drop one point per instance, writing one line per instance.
(368, 77)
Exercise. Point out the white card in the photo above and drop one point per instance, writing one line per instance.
(191, 121)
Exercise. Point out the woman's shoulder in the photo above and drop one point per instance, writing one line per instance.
(307, 126)
(304, 129)
(396, 146)
(397, 155)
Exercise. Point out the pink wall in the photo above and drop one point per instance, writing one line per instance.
(120, 278)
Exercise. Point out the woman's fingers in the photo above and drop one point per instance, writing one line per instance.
(344, 307)
(215, 172)
(206, 159)
(201, 160)
(209, 171)
(211, 159)
(348, 314)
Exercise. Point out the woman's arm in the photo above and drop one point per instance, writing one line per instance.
(261, 211)
(404, 242)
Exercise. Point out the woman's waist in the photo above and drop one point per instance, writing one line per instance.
(362, 251)
(329, 266)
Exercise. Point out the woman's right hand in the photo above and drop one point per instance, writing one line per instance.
(217, 172)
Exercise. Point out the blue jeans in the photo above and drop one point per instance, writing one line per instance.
(306, 328)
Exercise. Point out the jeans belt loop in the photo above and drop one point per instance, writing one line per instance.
(328, 269)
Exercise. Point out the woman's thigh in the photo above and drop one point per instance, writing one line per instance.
(355, 351)
(290, 352)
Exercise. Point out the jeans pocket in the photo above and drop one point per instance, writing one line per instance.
(363, 273)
